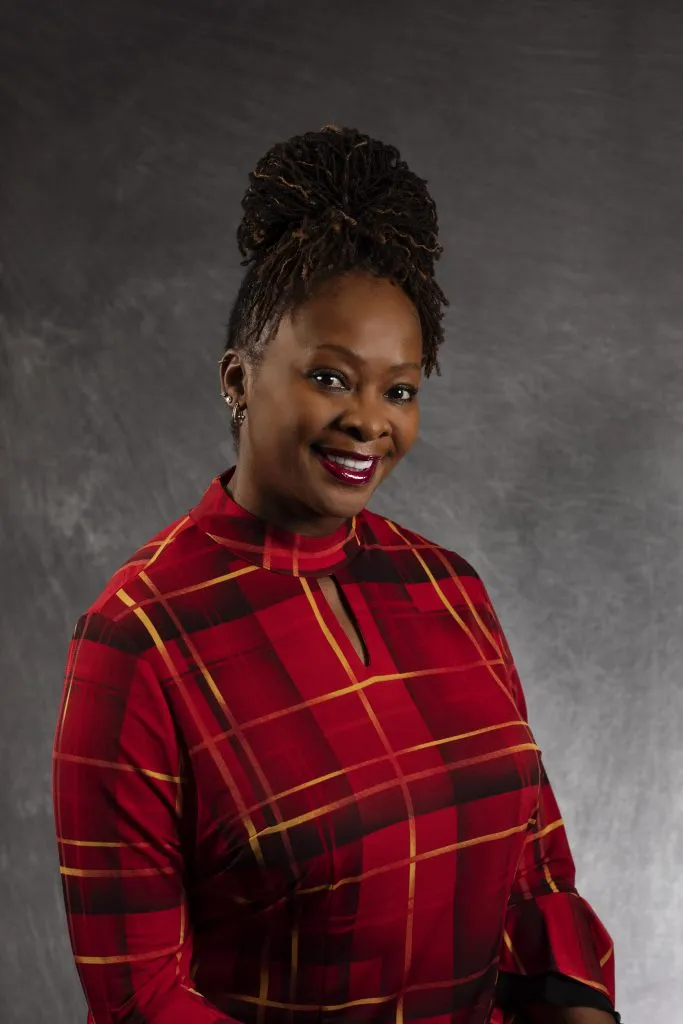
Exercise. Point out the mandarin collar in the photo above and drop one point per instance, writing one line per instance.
(220, 517)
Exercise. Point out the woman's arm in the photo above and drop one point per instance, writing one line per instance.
(118, 790)
(550, 932)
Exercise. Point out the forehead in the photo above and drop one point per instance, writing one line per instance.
(371, 316)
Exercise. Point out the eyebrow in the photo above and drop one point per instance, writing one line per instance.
(350, 354)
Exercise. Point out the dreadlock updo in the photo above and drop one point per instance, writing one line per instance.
(320, 205)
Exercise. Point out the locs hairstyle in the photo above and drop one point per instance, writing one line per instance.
(322, 204)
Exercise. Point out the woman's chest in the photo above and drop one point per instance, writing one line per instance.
(299, 750)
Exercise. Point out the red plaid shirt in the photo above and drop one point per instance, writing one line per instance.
(253, 825)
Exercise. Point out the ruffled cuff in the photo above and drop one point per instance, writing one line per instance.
(558, 933)
(515, 991)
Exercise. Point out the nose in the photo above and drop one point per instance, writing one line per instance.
(366, 418)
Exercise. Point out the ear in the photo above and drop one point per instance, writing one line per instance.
(233, 375)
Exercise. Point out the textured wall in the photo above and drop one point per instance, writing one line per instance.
(551, 447)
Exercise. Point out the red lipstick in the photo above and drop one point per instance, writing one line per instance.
(347, 467)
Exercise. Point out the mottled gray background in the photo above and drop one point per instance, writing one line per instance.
(552, 136)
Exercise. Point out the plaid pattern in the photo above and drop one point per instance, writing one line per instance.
(252, 824)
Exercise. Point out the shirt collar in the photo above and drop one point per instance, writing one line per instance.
(270, 547)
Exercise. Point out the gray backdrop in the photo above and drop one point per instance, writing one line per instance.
(551, 134)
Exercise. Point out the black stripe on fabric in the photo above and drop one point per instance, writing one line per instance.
(515, 991)
(100, 630)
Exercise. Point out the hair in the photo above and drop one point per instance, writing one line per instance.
(320, 205)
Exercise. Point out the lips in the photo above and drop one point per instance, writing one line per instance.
(348, 467)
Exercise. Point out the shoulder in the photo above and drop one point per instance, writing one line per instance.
(438, 580)
(392, 535)
(432, 561)
(178, 558)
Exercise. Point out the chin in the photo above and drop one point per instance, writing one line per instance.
(339, 502)
(344, 509)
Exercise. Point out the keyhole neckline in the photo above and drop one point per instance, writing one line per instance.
(360, 660)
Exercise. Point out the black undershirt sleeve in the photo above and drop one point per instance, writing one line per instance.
(516, 991)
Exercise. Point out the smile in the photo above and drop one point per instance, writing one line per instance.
(355, 470)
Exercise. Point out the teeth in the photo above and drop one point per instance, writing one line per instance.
(359, 465)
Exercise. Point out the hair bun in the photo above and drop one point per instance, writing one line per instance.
(326, 203)
(336, 179)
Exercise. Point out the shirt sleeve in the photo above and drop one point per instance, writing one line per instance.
(118, 793)
(550, 930)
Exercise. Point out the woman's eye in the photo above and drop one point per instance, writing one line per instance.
(332, 380)
(403, 393)
(328, 379)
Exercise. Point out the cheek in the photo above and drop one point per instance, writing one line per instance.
(271, 419)
(282, 412)
(272, 394)
(303, 411)
(409, 426)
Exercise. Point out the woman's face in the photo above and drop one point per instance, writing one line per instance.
(338, 381)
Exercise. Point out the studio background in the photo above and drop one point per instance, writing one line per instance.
(550, 454)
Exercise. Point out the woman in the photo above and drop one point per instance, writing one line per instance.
(293, 777)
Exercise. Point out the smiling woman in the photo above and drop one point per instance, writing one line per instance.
(331, 404)
(294, 779)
